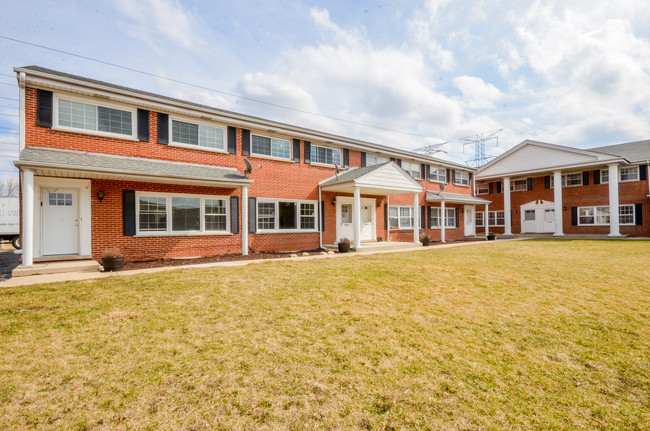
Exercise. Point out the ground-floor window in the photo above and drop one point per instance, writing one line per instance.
(160, 213)
(400, 217)
(479, 218)
(435, 218)
(599, 216)
(496, 218)
(278, 215)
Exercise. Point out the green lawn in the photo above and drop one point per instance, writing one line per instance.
(514, 335)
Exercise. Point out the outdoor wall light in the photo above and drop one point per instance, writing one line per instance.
(563, 208)
(379, 204)
(333, 201)
(100, 195)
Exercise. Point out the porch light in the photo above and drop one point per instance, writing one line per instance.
(379, 204)
(333, 201)
(100, 195)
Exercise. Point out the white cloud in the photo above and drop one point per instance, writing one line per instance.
(423, 28)
(477, 94)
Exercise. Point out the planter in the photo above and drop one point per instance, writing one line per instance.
(425, 242)
(344, 247)
(491, 237)
(112, 263)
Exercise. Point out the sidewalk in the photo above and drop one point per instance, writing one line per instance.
(76, 276)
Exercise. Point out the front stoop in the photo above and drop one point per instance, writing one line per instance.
(86, 265)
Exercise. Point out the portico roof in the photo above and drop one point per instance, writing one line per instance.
(78, 164)
(382, 180)
(455, 198)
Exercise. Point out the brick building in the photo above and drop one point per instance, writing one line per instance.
(604, 190)
(104, 165)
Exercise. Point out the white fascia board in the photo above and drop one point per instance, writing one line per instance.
(546, 170)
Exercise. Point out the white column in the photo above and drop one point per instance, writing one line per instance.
(356, 215)
(244, 221)
(28, 218)
(613, 200)
(485, 220)
(506, 206)
(443, 217)
(416, 219)
(557, 198)
(388, 218)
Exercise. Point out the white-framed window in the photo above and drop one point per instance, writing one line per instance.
(599, 216)
(435, 219)
(604, 176)
(496, 218)
(461, 178)
(437, 174)
(286, 215)
(569, 180)
(373, 159)
(479, 218)
(400, 217)
(326, 156)
(176, 214)
(519, 185)
(270, 147)
(450, 217)
(626, 214)
(629, 173)
(195, 134)
(412, 168)
(103, 119)
(482, 188)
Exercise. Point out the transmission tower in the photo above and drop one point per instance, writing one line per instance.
(479, 146)
(432, 149)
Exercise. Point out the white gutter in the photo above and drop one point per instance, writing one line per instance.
(546, 170)
(320, 220)
(21, 107)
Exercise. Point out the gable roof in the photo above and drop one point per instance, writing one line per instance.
(383, 179)
(638, 151)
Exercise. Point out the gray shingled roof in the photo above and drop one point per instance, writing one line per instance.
(455, 198)
(353, 174)
(47, 158)
(638, 151)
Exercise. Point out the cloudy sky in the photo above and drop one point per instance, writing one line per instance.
(401, 73)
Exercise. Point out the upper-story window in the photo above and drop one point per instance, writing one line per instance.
(273, 147)
(199, 135)
(372, 159)
(482, 188)
(412, 168)
(568, 180)
(461, 178)
(629, 173)
(94, 118)
(519, 185)
(438, 174)
(325, 156)
(604, 176)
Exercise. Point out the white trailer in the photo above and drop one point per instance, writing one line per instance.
(10, 220)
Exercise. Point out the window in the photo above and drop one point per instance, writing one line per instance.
(413, 169)
(197, 135)
(600, 215)
(450, 219)
(496, 218)
(482, 188)
(479, 218)
(568, 180)
(629, 173)
(604, 176)
(529, 215)
(435, 217)
(177, 214)
(274, 147)
(94, 118)
(519, 185)
(400, 217)
(626, 214)
(372, 160)
(326, 156)
(461, 178)
(346, 213)
(438, 174)
(60, 199)
(286, 216)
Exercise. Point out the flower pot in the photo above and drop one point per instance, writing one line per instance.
(112, 263)
(344, 247)
(426, 242)
(491, 237)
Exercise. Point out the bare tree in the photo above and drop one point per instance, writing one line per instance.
(9, 186)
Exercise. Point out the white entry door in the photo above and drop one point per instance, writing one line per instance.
(60, 222)
(345, 219)
(367, 225)
(549, 220)
(470, 226)
(346, 226)
(538, 217)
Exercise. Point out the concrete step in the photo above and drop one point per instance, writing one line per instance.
(86, 265)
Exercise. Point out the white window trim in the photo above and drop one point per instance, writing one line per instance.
(326, 165)
(444, 181)
(496, 218)
(513, 187)
(476, 217)
(487, 188)
(277, 218)
(94, 102)
(419, 169)
(399, 219)
(595, 208)
(199, 123)
(376, 155)
(620, 174)
(460, 183)
(264, 156)
(168, 207)
(444, 219)
(565, 179)
(601, 176)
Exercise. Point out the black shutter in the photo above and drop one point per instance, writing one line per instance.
(44, 101)
(163, 128)
(529, 183)
(423, 171)
(346, 157)
(498, 186)
(429, 217)
(547, 182)
(643, 172)
(232, 140)
(574, 216)
(252, 215)
(470, 178)
(399, 162)
(597, 176)
(322, 216)
(234, 214)
(363, 159)
(143, 125)
(490, 187)
(423, 213)
(585, 178)
(386, 217)
(128, 212)
(638, 214)
(447, 176)
(307, 152)
(457, 217)
(296, 150)
(245, 142)
(428, 172)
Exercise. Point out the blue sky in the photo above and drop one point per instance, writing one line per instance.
(572, 73)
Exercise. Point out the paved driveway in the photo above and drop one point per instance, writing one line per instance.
(8, 261)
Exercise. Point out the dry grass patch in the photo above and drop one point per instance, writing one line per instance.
(521, 335)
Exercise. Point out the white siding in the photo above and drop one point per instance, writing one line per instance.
(391, 176)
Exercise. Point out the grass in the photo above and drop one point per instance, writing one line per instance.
(516, 335)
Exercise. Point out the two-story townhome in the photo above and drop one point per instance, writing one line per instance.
(537, 187)
(103, 166)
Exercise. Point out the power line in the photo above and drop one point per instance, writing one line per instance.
(9, 98)
(11, 85)
(6, 74)
(178, 81)
(9, 107)
(10, 115)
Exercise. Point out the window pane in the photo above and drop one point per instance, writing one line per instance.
(211, 137)
(280, 148)
(405, 217)
(186, 214)
(266, 215)
(287, 215)
(586, 216)
(626, 214)
(78, 115)
(604, 176)
(450, 220)
(393, 217)
(529, 215)
(261, 145)
(629, 173)
(215, 215)
(114, 120)
(152, 213)
(185, 133)
(346, 213)
(307, 216)
(435, 217)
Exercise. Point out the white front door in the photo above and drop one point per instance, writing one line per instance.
(367, 225)
(538, 217)
(470, 226)
(346, 225)
(549, 220)
(60, 221)
(345, 219)
(529, 223)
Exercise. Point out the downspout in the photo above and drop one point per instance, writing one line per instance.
(320, 220)
(21, 108)
(388, 218)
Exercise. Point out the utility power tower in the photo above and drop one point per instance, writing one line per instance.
(479, 146)
(432, 149)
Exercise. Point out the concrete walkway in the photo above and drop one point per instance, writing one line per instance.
(76, 276)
